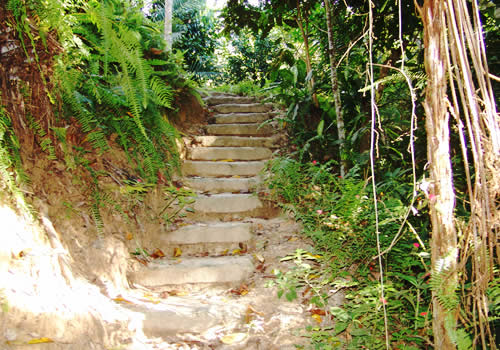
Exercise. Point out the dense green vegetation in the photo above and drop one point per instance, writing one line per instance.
(113, 80)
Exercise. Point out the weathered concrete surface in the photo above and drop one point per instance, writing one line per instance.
(218, 185)
(214, 169)
(212, 232)
(227, 203)
(228, 99)
(178, 315)
(237, 118)
(229, 153)
(235, 141)
(243, 108)
(223, 269)
(239, 129)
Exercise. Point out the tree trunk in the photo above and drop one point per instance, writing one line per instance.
(168, 24)
(305, 37)
(444, 251)
(335, 88)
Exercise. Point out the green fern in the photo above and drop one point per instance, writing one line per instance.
(45, 141)
(163, 94)
(418, 77)
(12, 174)
(461, 339)
(444, 288)
(110, 87)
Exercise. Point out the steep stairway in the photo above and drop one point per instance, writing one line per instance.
(224, 168)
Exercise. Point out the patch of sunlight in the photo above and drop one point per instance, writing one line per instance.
(31, 281)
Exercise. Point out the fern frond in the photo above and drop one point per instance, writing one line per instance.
(443, 288)
(12, 174)
(98, 140)
(163, 93)
(419, 77)
(48, 147)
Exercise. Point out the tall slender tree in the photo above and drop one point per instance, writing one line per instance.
(168, 24)
(444, 252)
(335, 85)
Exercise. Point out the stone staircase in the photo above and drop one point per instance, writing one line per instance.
(224, 168)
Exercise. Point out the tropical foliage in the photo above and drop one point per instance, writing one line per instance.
(111, 81)
(353, 88)
(118, 79)
(385, 142)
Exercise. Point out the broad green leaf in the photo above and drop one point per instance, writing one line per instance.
(321, 126)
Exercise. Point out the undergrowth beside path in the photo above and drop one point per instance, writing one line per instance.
(338, 215)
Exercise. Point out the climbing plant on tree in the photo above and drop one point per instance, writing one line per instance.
(454, 42)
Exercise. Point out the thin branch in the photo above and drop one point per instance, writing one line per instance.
(412, 152)
(372, 166)
(494, 77)
(349, 49)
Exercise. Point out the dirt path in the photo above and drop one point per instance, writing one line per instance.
(216, 291)
(215, 288)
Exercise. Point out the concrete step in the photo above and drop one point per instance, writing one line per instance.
(239, 129)
(214, 238)
(221, 169)
(226, 203)
(164, 272)
(237, 118)
(235, 141)
(243, 108)
(228, 99)
(229, 153)
(211, 232)
(218, 185)
(177, 315)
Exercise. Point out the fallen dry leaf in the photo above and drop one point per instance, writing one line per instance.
(141, 260)
(129, 236)
(259, 257)
(306, 291)
(249, 312)
(318, 312)
(233, 338)
(178, 293)
(40, 340)
(243, 248)
(157, 254)
(261, 268)
(242, 290)
(177, 252)
(317, 318)
(313, 256)
(119, 299)
(151, 298)
(32, 341)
